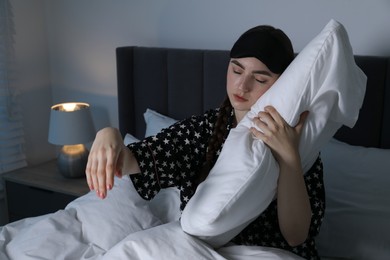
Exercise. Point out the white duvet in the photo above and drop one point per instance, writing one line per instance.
(123, 226)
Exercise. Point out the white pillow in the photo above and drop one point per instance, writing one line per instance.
(129, 138)
(356, 223)
(156, 121)
(323, 79)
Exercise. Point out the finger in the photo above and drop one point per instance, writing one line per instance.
(265, 117)
(88, 173)
(259, 135)
(262, 125)
(267, 122)
(275, 115)
(110, 170)
(93, 175)
(256, 133)
(101, 176)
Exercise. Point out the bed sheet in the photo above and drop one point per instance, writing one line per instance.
(123, 226)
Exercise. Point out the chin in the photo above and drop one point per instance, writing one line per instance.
(240, 107)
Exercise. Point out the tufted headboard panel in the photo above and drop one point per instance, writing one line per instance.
(183, 82)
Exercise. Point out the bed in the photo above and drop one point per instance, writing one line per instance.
(157, 87)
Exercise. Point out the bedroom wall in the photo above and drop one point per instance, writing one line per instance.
(83, 35)
(33, 78)
(72, 43)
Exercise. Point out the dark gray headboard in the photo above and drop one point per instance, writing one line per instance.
(183, 82)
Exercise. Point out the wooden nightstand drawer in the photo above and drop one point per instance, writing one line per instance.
(40, 189)
(27, 201)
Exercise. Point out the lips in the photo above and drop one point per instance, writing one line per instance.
(239, 98)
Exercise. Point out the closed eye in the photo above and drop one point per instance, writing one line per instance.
(261, 81)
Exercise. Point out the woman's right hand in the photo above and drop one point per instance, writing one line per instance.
(106, 159)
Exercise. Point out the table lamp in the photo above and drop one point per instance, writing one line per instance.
(71, 126)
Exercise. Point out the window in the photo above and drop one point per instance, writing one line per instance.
(12, 154)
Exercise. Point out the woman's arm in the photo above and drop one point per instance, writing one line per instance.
(294, 211)
(163, 160)
(108, 157)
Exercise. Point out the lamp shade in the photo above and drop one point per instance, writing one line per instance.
(71, 123)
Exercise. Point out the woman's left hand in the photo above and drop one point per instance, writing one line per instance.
(282, 138)
(294, 210)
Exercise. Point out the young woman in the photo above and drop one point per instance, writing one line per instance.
(183, 154)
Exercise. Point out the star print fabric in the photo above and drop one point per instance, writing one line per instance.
(264, 230)
(174, 157)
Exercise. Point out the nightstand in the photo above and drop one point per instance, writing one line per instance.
(38, 190)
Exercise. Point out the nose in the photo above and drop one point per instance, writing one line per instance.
(244, 85)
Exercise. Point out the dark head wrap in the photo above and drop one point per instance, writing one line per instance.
(266, 43)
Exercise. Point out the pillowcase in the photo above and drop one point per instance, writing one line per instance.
(356, 223)
(129, 138)
(155, 122)
(323, 79)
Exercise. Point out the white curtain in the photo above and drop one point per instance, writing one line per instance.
(12, 154)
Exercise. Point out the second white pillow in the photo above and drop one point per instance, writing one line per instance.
(156, 121)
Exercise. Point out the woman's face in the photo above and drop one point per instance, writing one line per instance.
(247, 80)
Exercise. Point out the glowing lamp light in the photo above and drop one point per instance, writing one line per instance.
(71, 126)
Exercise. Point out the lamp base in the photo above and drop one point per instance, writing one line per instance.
(72, 161)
